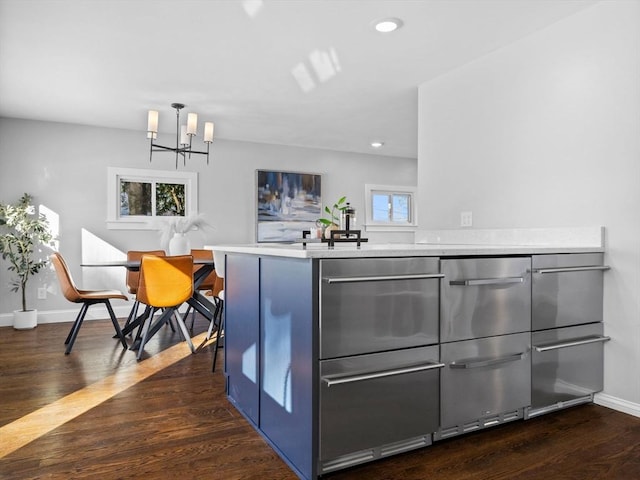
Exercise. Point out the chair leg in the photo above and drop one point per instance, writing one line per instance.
(132, 313)
(216, 317)
(171, 326)
(114, 320)
(73, 326)
(71, 338)
(215, 350)
(149, 331)
(183, 329)
(146, 317)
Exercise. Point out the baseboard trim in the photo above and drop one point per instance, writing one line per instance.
(95, 312)
(616, 403)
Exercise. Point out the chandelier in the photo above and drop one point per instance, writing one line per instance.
(184, 135)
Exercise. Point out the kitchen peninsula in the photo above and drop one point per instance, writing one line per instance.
(345, 355)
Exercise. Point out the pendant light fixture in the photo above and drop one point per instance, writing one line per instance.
(184, 135)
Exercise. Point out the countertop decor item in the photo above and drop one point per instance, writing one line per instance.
(334, 213)
(23, 232)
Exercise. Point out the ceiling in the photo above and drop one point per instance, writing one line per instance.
(106, 62)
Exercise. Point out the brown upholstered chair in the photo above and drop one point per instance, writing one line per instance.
(207, 286)
(165, 283)
(86, 298)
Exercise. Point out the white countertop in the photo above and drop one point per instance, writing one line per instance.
(394, 250)
(444, 243)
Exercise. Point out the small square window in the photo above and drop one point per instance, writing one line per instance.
(389, 207)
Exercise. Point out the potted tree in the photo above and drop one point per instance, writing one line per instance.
(22, 230)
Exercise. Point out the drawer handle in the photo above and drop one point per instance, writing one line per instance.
(378, 278)
(490, 362)
(487, 281)
(570, 343)
(386, 373)
(572, 269)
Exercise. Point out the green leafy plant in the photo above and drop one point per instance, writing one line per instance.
(22, 231)
(334, 213)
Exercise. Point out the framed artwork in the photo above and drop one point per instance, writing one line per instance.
(286, 203)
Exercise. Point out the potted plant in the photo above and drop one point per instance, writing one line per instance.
(333, 222)
(22, 230)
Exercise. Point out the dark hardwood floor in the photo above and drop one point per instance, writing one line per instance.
(167, 417)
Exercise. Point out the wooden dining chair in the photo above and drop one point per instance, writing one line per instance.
(86, 298)
(165, 283)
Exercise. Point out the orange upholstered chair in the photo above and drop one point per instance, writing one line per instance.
(165, 283)
(133, 278)
(86, 298)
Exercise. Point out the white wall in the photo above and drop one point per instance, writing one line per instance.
(65, 168)
(546, 133)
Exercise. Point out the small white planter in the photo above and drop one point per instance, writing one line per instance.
(179, 244)
(25, 319)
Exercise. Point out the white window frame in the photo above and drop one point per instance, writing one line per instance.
(371, 225)
(116, 174)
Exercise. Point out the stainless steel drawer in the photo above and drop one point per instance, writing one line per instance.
(567, 364)
(484, 377)
(378, 399)
(370, 305)
(566, 290)
(483, 297)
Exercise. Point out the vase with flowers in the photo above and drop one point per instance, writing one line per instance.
(173, 233)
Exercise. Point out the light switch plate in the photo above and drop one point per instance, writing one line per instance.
(466, 219)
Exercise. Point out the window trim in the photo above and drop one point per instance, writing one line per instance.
(115, 174)
(371, 225)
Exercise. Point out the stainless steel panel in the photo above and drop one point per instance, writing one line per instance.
(484, 377)
(483, 297)
(566, 290)
(377, 399)
(567, 363)
(370, 305)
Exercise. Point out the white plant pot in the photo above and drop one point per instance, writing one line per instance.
(25, 319)
(179, 244)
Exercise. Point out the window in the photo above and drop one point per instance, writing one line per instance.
(390, 207)
(139, 199)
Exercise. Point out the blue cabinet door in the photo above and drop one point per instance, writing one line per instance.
(242, 330)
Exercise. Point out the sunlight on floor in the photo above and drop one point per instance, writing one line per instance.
(19, 433)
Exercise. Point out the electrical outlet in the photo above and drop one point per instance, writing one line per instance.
(42, 293)
(466, 219)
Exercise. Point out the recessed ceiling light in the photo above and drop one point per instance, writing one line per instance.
(377, 144)
(387, 25)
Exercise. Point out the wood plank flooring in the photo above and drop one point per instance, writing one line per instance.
(98, 413)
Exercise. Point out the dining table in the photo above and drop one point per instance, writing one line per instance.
(198, 301)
